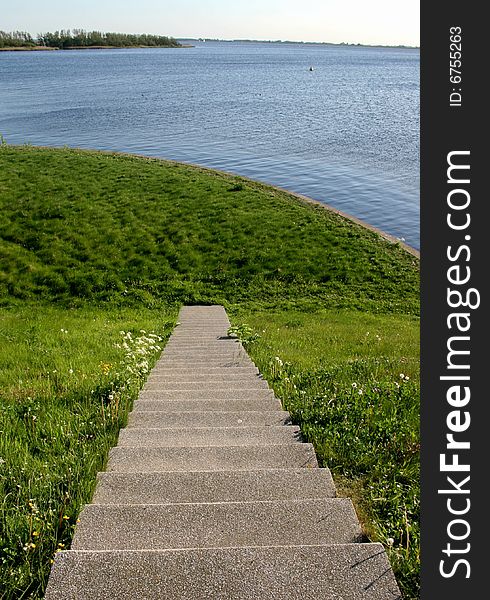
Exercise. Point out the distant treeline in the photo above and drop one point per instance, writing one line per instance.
(79, 38)
(16, 39)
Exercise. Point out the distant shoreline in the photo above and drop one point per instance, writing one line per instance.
(45, 48)
(26, 48)
(341, 44)
(347, 44)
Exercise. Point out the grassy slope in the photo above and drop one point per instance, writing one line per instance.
(95, 243)
(120, 230)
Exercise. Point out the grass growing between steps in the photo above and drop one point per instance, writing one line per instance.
(92, 244)
(351, 381)
(65, 392)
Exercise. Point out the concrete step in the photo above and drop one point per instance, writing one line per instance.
(202, 321)
(202, 316)
(207, 394)
(207, 384)
(205, 338)
(212, 344)
(241, 369)
(192, 313)
(219, 325)
(341, 572)
(206, 357)
(217, 525)
(207, 419)
(203, 363)
(234, 458)
(196, 354)
(165, 368)
(265, 404)
(193, 354)
(215, 335)
(211, 340)
(209, 371)
(189, 360)
(217, 486)
(211, 376)
(221, 349)
(186, 437)
(216, 328)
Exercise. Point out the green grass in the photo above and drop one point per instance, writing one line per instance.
(93, 244)
(134, 231)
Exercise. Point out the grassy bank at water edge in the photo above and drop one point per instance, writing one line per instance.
(96, 244)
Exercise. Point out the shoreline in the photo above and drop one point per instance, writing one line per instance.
(50, 48)
(387, 236)
(306, 199)
(27, 49)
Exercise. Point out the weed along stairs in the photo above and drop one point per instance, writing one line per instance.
(211, 494)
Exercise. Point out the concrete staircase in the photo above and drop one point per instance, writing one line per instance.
(210, 494)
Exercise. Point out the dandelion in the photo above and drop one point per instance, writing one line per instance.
(105, 368)
(402, 376)
(360, 392)
(354, 385)
(70, 371)
(390, 541)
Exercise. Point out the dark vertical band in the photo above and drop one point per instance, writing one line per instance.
(455, 324)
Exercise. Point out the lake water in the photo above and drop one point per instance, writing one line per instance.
(345, 133)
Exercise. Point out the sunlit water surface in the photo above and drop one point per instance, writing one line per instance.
(345, 133)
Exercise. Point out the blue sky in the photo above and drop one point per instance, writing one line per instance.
(353, 21)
